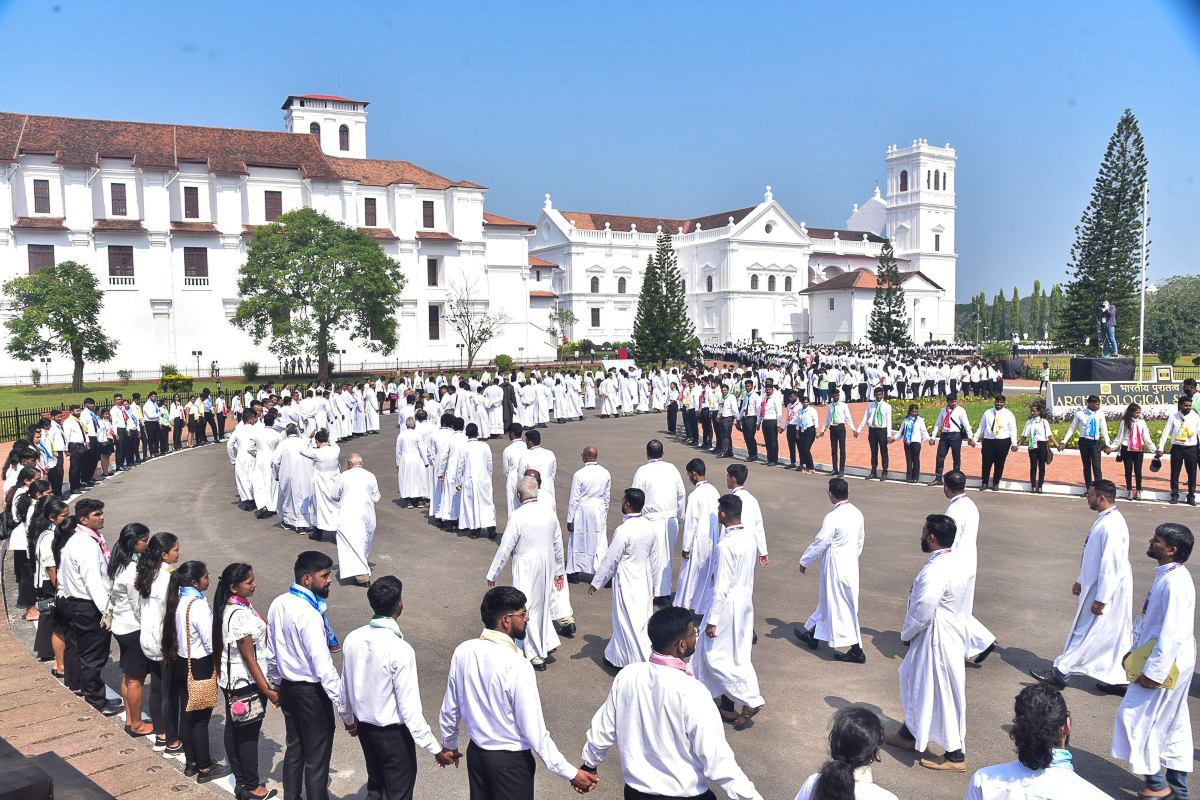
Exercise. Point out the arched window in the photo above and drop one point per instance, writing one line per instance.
(620, 286)
(771, 283)
(595, 285)
(937, 179)
(787, 284)
(946, 182)
(753, 282)
(343, 138)
(928, 178)
(315, 129)
(904, 180)
(708, 283)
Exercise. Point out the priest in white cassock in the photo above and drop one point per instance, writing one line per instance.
(1153, 729)
(412, 465)
(325, 458)
(933, 682)
(980, 641)
(473, 481)
(723, 656)
(451, 501)
(533, 541)
(370, 403)
(587, 516)
(634, 563)
(240, 447)
(839, 545)
(668, 733)
(510, 463)
(356, 493)
(544, 462)
(437, 451)
(266, 488)
(608, 396)
(701, 531)
(493, 397)
(1102, 631)
(528, 397)
(665, 501)
(736, 476)
(297, 497)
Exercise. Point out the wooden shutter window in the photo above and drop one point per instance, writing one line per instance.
(195, 262)
(427, 214)
(435, 323)
(119, 206)
(191, 202)
(41, 197)
(120, 261)
(369, 217)
(40, 256)
(343, 138)
(431, 269)
(272, 205)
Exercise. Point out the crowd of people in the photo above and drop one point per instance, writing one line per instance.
(682, 641)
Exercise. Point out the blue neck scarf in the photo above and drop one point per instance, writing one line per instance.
(191, 591)
(1062, 758)
(320, 605)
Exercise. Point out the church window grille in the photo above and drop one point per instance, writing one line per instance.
(191, 202)
(272, 205)
(369, 218)
(595, 285)
(119, 205)
(427, 214)
(195, 262)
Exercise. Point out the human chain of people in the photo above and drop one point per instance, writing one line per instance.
(682, 641)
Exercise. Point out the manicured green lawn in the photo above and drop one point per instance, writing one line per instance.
(24, 397)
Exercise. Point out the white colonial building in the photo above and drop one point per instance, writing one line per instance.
(757, 273)
(164, 213)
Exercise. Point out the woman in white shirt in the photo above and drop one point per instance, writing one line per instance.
(106, 438)
(126, 629)
(178, 416)
(1133, 437)
(187, 649)
(792, 425)
(914, 432)
(152, 579)
(49, 643)
(239, 638)
(24, 504)
(1036, 435)
(854, 742)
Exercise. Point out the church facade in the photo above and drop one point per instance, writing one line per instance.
(755, 272)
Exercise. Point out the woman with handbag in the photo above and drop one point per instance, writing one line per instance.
(187, 652)
(1036, 436)
(239, 639)
(1133, 439)
(25, 500)
(123, 622)
(151, 582)
(50, 642)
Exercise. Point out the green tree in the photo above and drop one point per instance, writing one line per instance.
(679, 335)
(560, 321)
(1173, 316)
(307, 277)
(1054, 308)
(1034, 327)
(58, 311)
(1105, 259)
(888, 326)
(649, 321)
(999, 318)
(1015, 324)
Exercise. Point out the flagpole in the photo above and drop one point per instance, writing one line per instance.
(1142, 331)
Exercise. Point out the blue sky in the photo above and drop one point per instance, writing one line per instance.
(678, 109)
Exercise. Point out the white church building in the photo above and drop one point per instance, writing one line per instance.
(164, 213)
(757, 273)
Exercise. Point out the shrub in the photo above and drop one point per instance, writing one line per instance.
(587, 346)
(125, 376)
(993, 350)
(1168, 357)
(250, 370)
(170, 384)
(35, 375)
(504, 363)
(168, 369)
(1196, 361)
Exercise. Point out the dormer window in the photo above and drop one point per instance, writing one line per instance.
(119, 205)
(41, 196)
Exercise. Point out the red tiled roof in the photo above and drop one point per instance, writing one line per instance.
(118, 226)
(861, 278)
(589, 221)
(40, 223)
(497, 221)
(377, 172)
(193, 227)
(438, 236)
(539, 293)
(249, 230)
(534, 261)
(827, 233)
(380, 234)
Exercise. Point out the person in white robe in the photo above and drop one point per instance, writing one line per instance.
(438, 453)
(266, 488)
(532, 539)
(608, 397)
(665, 502)
(451, 499)
(723, 655)
(371, 409)
(240, 447)
(560, 401)
(658, 392)
(668, 733)
(587, 516)
(338, 415)
(633, 562)
(1153, 728)
(411, 465)
(933, 682)
(545, 402)
(473, 481)
(544, 462)
(297, 497)
(980, 641)
(736, 476)
(701, 531)
(1101, 632)
(356, 493)
(325, 456)
(589, 391)
(643, 396)
(510, 463)
(528, 397)
(574, 397)
(357, 414)
(628, 389)
(839, 545)
(493, 397)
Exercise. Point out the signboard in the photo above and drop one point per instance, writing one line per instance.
(1061, 397)
(1164, 373)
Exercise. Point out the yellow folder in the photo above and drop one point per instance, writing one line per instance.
(1135, 663)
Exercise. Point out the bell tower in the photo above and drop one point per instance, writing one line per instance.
(339, 123)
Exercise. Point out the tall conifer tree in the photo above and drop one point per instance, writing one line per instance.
(679, 335)
(649, 328)
(888, 326)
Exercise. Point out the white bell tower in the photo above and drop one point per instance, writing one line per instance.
(338, 122)
(920, 218)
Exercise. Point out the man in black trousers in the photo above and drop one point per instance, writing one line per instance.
(749, 421)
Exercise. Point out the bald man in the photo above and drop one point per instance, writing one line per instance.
(587, 516)
(356, 493)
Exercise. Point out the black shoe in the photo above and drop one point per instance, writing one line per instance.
(491, 533)
(111, 708)
(1112, 688)
(854, 655)
(806, 637)
(884, 476)
(979, 659)
(568, 630)
(1191, 501)
(1174, 499)
(1049, 677)
(873, 476)
(190, 771)
(173, 750)
(935, 482)
(754, 637)
(996, 487)
(214, 772)
(474, 534)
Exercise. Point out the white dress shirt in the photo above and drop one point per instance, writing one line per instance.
(300, 651)
(772, 407)
(124, 601)
(997, 425)
(83, 570)
(870, 419)
(955, 421)
(379, 679)
(839, 411)
(493, 692)
(1091, 425)
(1180, 430)
(193, 627)
(240, 622)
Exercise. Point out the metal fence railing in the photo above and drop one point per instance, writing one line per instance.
(15, 424)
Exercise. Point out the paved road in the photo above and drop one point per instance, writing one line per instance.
(1029, 554)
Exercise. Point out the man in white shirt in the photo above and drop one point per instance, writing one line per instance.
(379, 677)
(1100, 636)
(152, 416)
(770, 412)
(668, 732)
(493, 693)
(998, 429)
(663, 487)
(1180, 433)
(877, 419)
(836, 420)
(300, 667)
(701, 531)
(727, 411)
(587, 516)
(839, 545)
(1093, 430)
(748, 415)
(954, 426)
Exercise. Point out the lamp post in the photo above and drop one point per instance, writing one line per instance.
(460, 347)
(341, 353)
(46, 368)
(1142, 323)
(197, 354)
